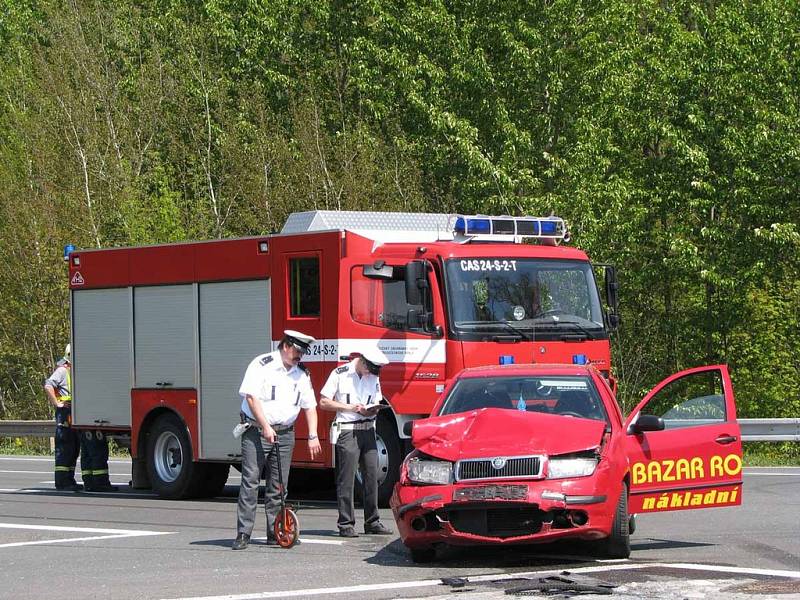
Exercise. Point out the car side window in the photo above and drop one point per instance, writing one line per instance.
(690, 401)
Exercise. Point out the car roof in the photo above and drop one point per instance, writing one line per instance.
(532, 370)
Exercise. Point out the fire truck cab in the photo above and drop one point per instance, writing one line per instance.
(161, 335)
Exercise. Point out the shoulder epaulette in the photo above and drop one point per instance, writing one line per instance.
(303, 368)
(266, 360)
(342, 369)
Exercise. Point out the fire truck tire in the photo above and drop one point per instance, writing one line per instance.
(215, 478)
(618, 544)
(389, 458)
(170, 466)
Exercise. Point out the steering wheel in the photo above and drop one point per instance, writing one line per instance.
(569, 413)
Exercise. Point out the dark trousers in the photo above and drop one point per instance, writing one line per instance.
(67, 446)
(356, 449)
(256, 453)
(94, 459)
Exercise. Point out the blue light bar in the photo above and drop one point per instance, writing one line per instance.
(579, 359)
(68, 249)
(548, 227)
(473, 225)
(507, 228)
(506, 359)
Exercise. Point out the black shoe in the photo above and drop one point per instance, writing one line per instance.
(241, 541)
(377, 528)
(271, 541)
(72, 487)
(348, 532)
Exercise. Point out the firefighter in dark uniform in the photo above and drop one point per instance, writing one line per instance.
(276, 386)
(92, 445)
(354, 392)
(67, 442)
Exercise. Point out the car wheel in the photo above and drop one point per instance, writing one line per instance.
(423, 555)
(389, 459)
(618, 544)
(172, 471)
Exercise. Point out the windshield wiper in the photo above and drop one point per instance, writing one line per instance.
(519, 334)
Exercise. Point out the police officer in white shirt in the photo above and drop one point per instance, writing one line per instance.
(354, 392)
(275, 387)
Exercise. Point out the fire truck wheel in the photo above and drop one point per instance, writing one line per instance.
(173, 474)
(389, 459)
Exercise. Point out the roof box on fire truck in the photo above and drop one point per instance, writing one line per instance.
(430, 227)
(383, 226)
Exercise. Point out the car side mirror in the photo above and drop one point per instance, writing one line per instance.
(407, 427)
(646, 423)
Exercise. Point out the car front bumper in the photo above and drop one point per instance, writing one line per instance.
(516, 512)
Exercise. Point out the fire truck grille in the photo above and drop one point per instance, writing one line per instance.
(505, 522)
(519, 467)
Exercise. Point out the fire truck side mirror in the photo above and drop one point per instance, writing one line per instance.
(415, 280)
(612, 296)
(379, 270)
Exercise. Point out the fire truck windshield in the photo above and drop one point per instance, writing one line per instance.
(541, 298)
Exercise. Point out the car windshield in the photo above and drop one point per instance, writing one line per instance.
(529, 298)
(555, 395)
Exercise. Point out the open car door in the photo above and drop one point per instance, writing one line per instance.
(684, 445)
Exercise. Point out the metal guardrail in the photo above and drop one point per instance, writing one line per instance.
(27, 428)
(753, 430)
(770, 430)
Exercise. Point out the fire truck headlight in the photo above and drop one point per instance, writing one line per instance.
(430, 471)
(560, 467)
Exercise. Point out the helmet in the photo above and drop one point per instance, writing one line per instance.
(68, 352)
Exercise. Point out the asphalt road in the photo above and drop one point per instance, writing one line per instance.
(133, 545)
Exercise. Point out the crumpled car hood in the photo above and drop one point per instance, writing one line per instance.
(502, 432)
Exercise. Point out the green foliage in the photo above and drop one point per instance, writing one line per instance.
(666, 133)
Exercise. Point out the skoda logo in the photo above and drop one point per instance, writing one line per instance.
(499, 462)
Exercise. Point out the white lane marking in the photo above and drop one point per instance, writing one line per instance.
(107, 534)
(12, 490)
(50, 460)
(51, 482)
(306, 540)
(28, 472)
(47, 473)
(497, 577)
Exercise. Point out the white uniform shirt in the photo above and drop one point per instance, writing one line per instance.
(345, 386)
(282, 393)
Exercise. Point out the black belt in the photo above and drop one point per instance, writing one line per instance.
(244, 417)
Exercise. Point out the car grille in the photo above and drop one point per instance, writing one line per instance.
(517, 467)
(497, 522)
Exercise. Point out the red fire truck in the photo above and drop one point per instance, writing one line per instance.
(161, 335)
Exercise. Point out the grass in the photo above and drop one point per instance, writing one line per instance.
(771, 454)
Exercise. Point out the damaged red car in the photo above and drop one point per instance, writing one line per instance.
(521, 454)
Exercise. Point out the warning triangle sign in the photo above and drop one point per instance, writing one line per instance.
(77, 279)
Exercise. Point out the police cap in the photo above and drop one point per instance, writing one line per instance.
(374, 359)
(301, 341)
